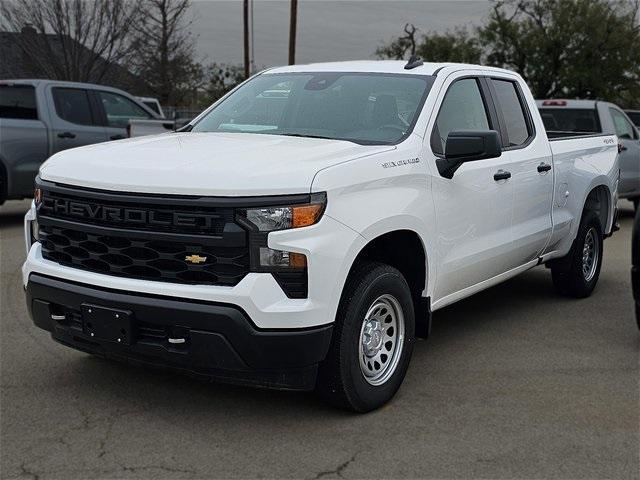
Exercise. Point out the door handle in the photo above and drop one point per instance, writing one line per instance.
(501, 175)
(66, 135)
(544, 167)
(117, 137)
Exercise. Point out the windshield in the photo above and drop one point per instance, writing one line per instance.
(363, 108)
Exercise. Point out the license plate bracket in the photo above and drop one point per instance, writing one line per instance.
(108, 324)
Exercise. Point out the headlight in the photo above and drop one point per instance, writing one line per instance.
(269, 219)
(262, 220)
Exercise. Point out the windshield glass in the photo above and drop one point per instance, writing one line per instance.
(364, 108)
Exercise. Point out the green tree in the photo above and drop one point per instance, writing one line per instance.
(562, 48)
(568, 48)
(222, 78)
(455, 46)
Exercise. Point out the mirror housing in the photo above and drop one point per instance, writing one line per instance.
(468, 146)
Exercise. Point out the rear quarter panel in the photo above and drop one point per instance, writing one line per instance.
(580, 165)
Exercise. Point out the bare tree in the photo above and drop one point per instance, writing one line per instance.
(165, 51)
(71, 39)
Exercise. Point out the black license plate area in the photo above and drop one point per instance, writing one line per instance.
(108, 324)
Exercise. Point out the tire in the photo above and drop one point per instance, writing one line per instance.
(351, 377)
(636, 202)
(578, 274)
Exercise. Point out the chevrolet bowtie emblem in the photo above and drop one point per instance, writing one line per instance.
(195, 259)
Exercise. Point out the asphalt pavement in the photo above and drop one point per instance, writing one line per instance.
(515, 382)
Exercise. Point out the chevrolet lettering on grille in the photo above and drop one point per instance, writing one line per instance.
(125, 215)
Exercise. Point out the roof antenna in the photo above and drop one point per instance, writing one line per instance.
(414, 61)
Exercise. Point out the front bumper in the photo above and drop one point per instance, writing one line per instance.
(220, 339)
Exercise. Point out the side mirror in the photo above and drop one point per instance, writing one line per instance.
(468, 146)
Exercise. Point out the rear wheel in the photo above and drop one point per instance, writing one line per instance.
(577, 274)
(372, 341)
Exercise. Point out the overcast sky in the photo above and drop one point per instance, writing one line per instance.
(327, 30)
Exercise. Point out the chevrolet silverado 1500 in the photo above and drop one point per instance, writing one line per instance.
(302, 239)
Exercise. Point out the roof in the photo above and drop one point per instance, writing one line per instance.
(378, 66)
(61, 83)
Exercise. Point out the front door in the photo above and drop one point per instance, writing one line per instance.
(74, 122)
(474, 208)
(118, 110)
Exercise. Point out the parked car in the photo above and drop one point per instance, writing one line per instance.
(41, 117)
(153, 104)
(591, 116)
(635, 270)
(302, 240)
(634, 116)
(144, 128)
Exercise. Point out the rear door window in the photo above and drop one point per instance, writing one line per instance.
(120, 110)
(623, 127)
(18, 101)
(72, 105)
(513, 112)
(462, 109)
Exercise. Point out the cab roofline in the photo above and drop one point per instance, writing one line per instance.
(382, 66)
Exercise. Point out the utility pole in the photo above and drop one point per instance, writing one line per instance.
(245, 14)
(293, 20)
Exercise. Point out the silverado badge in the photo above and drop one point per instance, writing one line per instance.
(195, 259)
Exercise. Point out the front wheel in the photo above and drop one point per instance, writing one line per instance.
(372, 341)
(578, 274)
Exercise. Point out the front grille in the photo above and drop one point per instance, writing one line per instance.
(143, 259)
(117, 243)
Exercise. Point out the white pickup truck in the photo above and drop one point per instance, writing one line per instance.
(302, 240)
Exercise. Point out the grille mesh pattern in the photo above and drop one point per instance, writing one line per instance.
(144, 259)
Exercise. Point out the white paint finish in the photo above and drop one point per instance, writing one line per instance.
(533, 191)
(333, 245)
(221, 164)
(580, 165)
(475, 231)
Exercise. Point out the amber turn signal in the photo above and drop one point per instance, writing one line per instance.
(305, 215)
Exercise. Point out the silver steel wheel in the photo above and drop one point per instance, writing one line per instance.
(590, 254)
(381, 340)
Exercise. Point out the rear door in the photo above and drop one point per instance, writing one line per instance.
(474, 208)
(531, 164)
(74, 119)
(629, 157)
(117, 110)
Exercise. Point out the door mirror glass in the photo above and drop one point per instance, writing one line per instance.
(467, 146)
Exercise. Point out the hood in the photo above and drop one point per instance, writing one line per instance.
(213, 164)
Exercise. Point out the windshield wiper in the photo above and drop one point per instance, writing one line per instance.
(304, 135)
